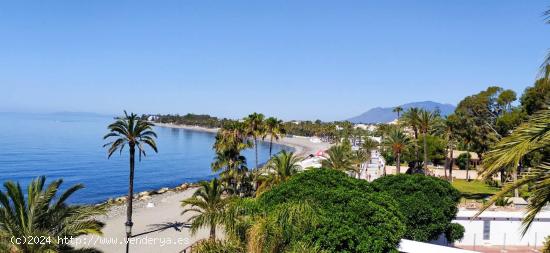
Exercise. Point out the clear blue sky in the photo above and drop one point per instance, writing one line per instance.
(291, 59)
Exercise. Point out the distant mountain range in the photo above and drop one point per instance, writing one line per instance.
(384, 115)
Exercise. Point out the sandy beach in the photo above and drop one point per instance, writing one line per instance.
(154, 226)
(302, 145)
(156, 218)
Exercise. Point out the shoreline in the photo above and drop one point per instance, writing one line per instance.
(302, 145)
(158, 225)
(157, 213)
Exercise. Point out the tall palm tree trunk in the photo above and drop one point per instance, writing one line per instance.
(451, 161)
(425, 155)
(447, 162)
(468, 166)
(270, 144)
(256, 149)
(398, 164)
(416, 152)
(130, 187)
(212, 230)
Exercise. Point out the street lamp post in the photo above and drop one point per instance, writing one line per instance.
(128, 226)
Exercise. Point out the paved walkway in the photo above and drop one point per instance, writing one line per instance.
(372, 170)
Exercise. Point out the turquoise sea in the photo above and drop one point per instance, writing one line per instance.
(69, 146)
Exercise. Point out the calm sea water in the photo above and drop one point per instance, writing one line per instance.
(69, 146)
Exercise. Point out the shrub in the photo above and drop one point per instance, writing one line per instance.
(428, 204)
(217, 246)
(462, 161)
(352, 218)
(454, 232)
(491, 182)
(546, 246)
(502, 201)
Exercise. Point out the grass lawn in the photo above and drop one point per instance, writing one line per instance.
(474, 189)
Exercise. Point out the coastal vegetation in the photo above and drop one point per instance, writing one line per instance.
(510, 153)
(396, 141)
(42, 216)
(352, 217)
(340, 157)
(326, 131)
(273, 130)
(208, 207)
(438, 198)
(278, 169)
(255, 129)
(417, 207)
(325, 210)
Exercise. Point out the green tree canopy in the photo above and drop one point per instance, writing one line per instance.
(536, 97)
(352, 218)
(462, 160)
(429, 204)
(436, 148)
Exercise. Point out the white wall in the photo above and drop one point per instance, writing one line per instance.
(505, 229)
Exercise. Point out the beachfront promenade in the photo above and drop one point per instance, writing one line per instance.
(157, 228)
(374, 168)
(158, 223)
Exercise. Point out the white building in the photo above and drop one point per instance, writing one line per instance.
(368, 127)
(493, 228)
(408, 246)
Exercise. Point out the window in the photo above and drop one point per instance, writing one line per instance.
(486, 230)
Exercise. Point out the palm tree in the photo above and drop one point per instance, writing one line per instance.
(274, 128)
(230, 141)
(233, 165)
(232, 136)
(411, 118)
(527, 138)
(397, 140)
(463, 162)
(398, 110)
(41, 212)
(255, 128)
(280, 168)
(450, 135)
(425, 121)
(359, 157)
(277, 231)
(208, 205)
(340, 157)
(369, 144)
(136, 133)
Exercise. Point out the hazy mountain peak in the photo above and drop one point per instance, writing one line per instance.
(386, 114)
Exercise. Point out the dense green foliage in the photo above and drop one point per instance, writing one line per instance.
(454, 232)
(531, 136)
(429, 204)
(208, 207)
(40, 212)
(435, 149)
(478, 116)
(190, 119)
(463, 161)
(536, 97)
(352, 218)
